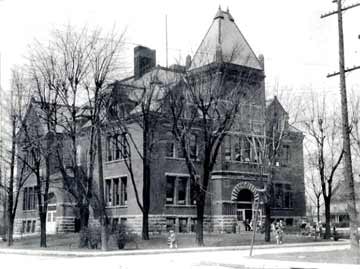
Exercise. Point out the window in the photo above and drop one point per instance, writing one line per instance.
(170, 149)
(247, 149)
(123, 191)
(180, 151)
(170, 224)
(182, 190)
(193, 146)
(257, 112)
(288, 199)
(286, 153)
(238, 151)
(258, 127)
(283, 196)
(227, 148)
(116, 193)
(278, 196)
(257, 152)
(183, 225)
(28, 226)
(170, 189)
(24, 199)
(289, 222)
(108, 191)
(29, 198)
(116, 147)
(23, 227)
(114, 224)
(193, 225)
(123, 221)
(78, 155)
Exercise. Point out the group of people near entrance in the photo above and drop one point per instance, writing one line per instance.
(249, 225)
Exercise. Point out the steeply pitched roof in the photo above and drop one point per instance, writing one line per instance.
(150, 86)
(225, 43)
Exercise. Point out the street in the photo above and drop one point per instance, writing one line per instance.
(197, 260)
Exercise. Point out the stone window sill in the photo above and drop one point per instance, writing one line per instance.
(116, 206)
(114, 161)
(188, 206)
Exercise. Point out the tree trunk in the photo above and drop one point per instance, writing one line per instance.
(267, 221)
(42, 216)
(84, 222)
(10, 188)
(145, 225)
(327, 234)
(268, 202)
(103, 219)
(10, 235)
(146, 180)
(318, 208)
(146, 202)
(200, 206)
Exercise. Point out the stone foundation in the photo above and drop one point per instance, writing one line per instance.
(65, 224)
(158, 224)
(224, 224)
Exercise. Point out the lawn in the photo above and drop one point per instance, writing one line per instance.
(70, 241)
(335, 256)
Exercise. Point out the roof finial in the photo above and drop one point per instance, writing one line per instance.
(219, 14)
(227, 9)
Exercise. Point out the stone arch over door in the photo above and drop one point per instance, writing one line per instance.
(246, 196)
(241, 186)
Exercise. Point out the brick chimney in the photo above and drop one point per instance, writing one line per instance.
(144, 60)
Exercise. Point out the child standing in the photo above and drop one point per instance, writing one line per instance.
(279, 233)
(172, 239)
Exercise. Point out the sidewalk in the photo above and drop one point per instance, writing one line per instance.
(99, 253)
(254, 262)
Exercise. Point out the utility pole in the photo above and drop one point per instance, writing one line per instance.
(349, 178)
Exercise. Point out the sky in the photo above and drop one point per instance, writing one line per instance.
(300, 49)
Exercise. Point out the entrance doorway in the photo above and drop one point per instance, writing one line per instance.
(51, 222)
(51, 215)
(245, 205)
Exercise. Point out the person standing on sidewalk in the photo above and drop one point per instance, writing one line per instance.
(279, 233)
(172, 242)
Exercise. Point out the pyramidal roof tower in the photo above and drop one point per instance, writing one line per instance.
(224, 43)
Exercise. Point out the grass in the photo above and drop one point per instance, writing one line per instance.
(70, 241)
(334, 256)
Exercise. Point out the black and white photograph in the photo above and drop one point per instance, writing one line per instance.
(218, 134)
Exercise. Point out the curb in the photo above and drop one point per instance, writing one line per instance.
(62, 253)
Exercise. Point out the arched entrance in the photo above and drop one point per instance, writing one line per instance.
(245, 195)
(51, 214)
(245, 202)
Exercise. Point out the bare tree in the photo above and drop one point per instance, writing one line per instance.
(40, 139)
(72, 50)
(105, 65)
(314, 194)
(277, 129)
(18, 103)
(145, 112)
(203, 108)
(326, 155)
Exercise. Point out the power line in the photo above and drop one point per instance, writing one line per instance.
(339, 13)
